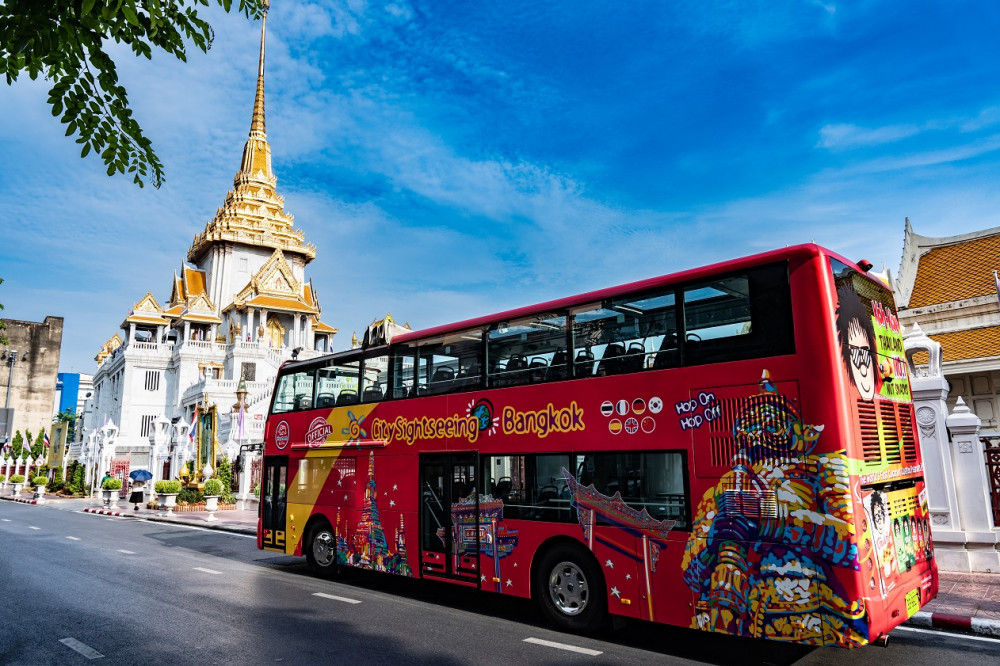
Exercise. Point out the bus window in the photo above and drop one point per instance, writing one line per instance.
(531, 487)
(737, 317)
(403, 364)
(626, 334)
(652, 481)
(294, 392)
(337, 383)
(450, 363)
(528, 351)
(374, 378)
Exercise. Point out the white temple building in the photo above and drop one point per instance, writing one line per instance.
(238, 305)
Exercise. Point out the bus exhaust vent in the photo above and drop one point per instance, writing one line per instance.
(886, 430)
(748, 503)
(738, 423)
(906, 433)
(890, 428)
(871, 447)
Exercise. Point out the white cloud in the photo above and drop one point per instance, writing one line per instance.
(844, 136)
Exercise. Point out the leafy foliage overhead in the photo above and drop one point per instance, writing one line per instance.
(65, 43)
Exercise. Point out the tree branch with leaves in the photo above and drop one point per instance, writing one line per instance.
(65, 43)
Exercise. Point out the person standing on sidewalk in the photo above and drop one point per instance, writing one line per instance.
(137, 494)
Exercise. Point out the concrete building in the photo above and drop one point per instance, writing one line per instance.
(238, 306)
(28, 368)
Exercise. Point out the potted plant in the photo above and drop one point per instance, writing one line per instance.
(167, 492)
(111, 488)
(213, 489)
(40, 482)
(17, 480)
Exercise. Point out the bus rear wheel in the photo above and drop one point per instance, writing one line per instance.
(320, 550)
(569, 589)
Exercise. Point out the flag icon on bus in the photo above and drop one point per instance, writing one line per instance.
(615, 426)
(622, 407)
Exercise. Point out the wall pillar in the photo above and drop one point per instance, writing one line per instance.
(972, 484)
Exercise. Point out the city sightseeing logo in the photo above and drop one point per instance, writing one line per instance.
(281, 435)
(318, 431)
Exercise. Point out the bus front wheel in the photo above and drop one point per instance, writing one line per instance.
(320, 550)
(569, 589)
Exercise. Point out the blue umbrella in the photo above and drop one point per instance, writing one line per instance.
(140, 475)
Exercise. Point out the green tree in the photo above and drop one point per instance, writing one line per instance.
(226, 476)
(39, 446)
(17, 444)
(67, 416)
(65, 43)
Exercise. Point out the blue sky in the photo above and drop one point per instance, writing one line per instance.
(451, 159)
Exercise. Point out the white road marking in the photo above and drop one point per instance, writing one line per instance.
(204, 529)
(126, 552)
(211, 571)
(32, 527)
(330, 596)
(82, 648)
(73, 538)
(563, 646)
(6, 520)
(936, 632)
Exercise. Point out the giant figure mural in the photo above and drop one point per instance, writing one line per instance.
(770, 537)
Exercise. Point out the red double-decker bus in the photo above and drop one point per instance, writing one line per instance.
(729, 448)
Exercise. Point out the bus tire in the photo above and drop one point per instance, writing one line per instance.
(320, 549)
(569, 588)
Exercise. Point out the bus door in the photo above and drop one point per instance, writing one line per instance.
(449, 516)
(273, 496)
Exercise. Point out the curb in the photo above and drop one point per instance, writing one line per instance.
(975, 625)
(205, 525)
(106, 512)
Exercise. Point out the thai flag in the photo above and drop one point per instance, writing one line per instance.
(194, 423)
(996, 280)
(45, 440)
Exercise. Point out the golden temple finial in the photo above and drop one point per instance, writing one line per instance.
(257, 130)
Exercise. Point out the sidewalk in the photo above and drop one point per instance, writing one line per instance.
(965, 602)
(241, 522)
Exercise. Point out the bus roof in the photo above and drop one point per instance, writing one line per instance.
(808, 249)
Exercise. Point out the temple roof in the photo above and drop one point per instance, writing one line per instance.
(253, 213)
(146, 312)
(108, 348)
(971, 343)
(274, 287)
(320, 327)
(947, 269)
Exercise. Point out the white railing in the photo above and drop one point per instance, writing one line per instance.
(206, 344)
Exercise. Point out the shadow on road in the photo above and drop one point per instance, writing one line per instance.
(658, 638)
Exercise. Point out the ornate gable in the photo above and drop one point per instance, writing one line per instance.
(177, 295)
(108, 348)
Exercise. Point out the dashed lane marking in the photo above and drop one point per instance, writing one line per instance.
(335, 598)
(82, 648)
(73, 538)
(126, 552)
(6, 520)
(564, 646)
(210, 571)
(32, 527)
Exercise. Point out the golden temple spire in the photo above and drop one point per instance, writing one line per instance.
(257, 130)
(253, 212)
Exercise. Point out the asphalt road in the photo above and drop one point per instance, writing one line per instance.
(78, 585)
